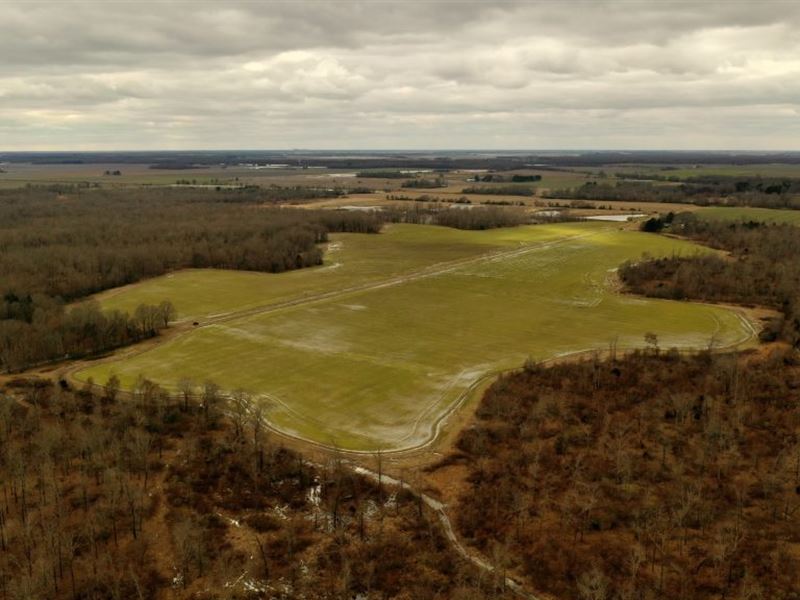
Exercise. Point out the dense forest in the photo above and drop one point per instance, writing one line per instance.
(38, 329)
(762, 269)
(729, 191)
(500, 190)
(725, 184)
(60, 244)
(653, 475)
(498, 178)
(71, 244)
(468, 217)
(425, 183)
(165, 497)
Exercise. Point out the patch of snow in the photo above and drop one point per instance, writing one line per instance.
(177, 580)
(281, 512)
(314, 495)
(355, 306)
(614, 218)
(371, 510)
(230, 520)
(251, 585)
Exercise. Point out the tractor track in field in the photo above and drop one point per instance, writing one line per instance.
(424, 273)
(184, 326)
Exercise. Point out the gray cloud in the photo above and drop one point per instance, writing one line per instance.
(425, 74)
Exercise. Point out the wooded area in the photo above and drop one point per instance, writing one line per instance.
(59, 244)
(157, 496)
(425, 183)
(500, 190)
(762, 269)
(649, 476)
(703, 191)
(465, 217)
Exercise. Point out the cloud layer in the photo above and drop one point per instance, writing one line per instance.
(377, 74)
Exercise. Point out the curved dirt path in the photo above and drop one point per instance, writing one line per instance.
(439, 508)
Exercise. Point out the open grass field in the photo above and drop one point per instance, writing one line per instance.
(374, 353)
(351, 260)
(767, 215)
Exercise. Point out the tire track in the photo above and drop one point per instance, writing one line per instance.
(431, 271)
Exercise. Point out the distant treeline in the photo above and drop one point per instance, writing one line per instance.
(454, 200)
(495, 178)
(61, 245)
(411, 160)
(428, 198)
(277, 194)
(763, 269)
(381, 175)
(703, 191)
(726, 184)
(500, 190)
(477, 217)
(251, 194)
(423, 183)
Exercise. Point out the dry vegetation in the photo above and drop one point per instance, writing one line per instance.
(160, 497)
(652, 476)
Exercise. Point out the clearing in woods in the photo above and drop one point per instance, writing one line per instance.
(373, 349)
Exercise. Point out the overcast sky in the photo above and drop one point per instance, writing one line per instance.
(425, 74)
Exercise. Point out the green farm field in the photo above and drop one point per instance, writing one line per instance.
(351, 260)
(374, 349)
